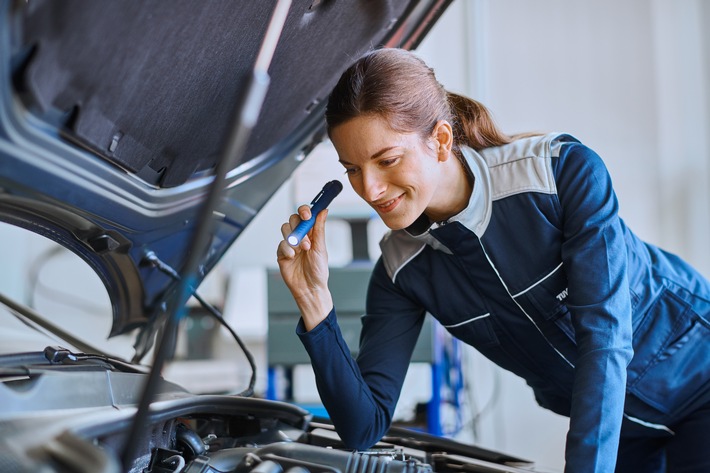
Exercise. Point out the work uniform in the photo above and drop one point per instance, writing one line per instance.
(541, 276)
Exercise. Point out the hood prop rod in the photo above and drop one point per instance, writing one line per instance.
(243, 122)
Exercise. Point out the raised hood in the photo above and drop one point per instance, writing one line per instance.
(113, 115)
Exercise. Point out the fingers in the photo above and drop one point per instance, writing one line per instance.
(287, 228)
(304, 212)
(285, 251)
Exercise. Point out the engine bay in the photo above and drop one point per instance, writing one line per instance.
(68, 411)
(261, 436)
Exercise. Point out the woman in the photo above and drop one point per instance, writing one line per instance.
(514, 244)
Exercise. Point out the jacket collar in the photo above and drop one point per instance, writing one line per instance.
(477, 213)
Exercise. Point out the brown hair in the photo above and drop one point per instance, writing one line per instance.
(399, 86)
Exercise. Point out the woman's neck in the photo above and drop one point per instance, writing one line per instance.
(458, 185)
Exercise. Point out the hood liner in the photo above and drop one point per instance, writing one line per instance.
(148, 87)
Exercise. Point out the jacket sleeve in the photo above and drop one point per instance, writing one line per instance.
(595, 259)
(360, 395)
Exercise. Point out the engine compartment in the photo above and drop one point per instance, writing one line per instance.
(260, 436)
(210, 444)
(224, 434)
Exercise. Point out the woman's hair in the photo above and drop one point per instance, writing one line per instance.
(399, 86)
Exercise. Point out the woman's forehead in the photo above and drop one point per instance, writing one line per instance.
(366, 137)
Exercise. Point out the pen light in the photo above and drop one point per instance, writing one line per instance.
(320, 202)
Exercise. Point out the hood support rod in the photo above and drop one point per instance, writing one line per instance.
(243, 122)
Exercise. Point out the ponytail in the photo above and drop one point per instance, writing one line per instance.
(473, 124)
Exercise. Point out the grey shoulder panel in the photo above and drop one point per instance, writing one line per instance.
(523, 166)
(398, 249)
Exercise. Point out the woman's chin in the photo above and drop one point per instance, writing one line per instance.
(396, 223)
(395, 227)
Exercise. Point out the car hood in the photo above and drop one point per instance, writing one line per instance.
(114, 115)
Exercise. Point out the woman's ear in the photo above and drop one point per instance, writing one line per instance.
(443, 136)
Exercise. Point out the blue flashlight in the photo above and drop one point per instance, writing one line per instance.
(320, 202)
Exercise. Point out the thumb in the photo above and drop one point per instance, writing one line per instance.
(318, 235)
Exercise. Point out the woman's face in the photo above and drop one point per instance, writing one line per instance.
(398, 174)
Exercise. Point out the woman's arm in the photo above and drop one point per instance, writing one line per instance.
(361, 395)
(594, 254)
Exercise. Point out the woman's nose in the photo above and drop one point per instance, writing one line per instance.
(373, 185)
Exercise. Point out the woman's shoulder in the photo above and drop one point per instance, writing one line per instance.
(530, 145)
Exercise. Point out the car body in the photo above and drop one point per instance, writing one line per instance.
(116, 119)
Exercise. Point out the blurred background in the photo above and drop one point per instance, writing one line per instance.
(629, 79)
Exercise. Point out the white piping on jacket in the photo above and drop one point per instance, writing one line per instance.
(526, 290)
(649, 424)
(405, 262)
(467, 321)
(519, 306)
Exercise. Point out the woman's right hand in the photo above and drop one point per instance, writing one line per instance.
(304, 268)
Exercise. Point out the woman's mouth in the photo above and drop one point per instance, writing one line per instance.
(388, 206)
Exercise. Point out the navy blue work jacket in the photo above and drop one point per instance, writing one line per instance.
(541, 276)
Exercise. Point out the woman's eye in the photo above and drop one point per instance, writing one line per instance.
(350, 170)
(389, 161)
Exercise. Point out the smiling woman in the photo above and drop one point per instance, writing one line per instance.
(515, 245)
(385, 170)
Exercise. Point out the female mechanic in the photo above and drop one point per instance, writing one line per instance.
(513, 243)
